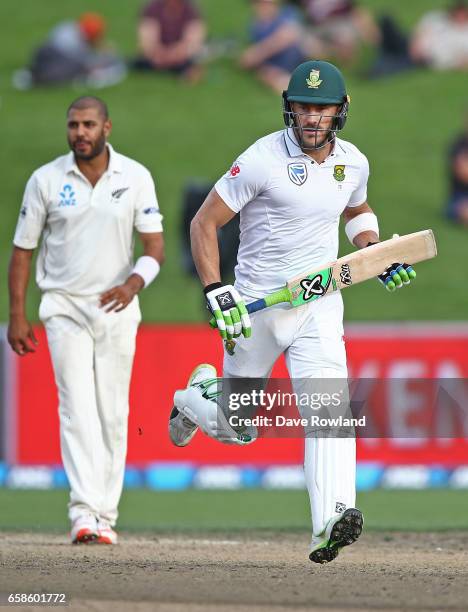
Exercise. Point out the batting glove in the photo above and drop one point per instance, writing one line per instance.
(229, 311)
(397, 275)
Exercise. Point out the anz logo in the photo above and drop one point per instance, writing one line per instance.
(67, 196)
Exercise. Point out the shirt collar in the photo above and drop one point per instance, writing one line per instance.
(115, 162)
(295, 150)
(292, 145)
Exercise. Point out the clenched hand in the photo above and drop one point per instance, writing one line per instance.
(20, 336)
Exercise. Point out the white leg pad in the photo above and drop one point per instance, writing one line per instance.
(207, 415)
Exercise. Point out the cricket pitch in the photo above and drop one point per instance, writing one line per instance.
(240, 572)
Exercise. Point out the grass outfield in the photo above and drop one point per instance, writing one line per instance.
(403, 124)
(223, 511)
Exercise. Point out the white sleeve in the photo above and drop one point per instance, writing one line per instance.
(148, 218)
(359, 195)
(246, 179)
(32, 216)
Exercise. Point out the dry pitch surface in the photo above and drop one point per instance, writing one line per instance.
(394, 571)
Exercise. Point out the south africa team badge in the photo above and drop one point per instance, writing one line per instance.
(313, 82)
(297, 173)
(338, 173)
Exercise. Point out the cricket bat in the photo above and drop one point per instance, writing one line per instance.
(350, 270)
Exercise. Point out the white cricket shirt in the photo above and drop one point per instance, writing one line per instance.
(87, 233)
(290, 208)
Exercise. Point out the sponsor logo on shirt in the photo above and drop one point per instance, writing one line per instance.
(234, 171)
(67, 196)
(23, 211)
(119, 192)
(151, 211)
(297, 173)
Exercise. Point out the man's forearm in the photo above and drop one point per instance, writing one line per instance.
(205, 252)
(363, 239)
(146, 270)
(18, 278)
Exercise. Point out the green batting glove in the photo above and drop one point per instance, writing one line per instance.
(229, 311)
(397, 275)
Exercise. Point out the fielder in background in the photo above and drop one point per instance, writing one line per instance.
(86, 205)
(290, 188)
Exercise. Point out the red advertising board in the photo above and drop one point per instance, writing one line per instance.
(167, 354)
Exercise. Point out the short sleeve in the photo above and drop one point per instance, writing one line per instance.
(246, 179)
(32, 216)
(148, 218)
(359, 195)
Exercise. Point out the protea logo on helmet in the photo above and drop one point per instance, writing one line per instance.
(338, 173)
(313, 82)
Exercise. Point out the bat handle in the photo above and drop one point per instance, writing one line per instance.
(252, 307)
(256, 306)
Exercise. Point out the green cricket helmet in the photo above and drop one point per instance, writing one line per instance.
(321, 83)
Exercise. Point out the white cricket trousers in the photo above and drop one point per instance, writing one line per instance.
(92, 354)
(311, 337)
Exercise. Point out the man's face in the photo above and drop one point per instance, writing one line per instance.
(87, 132)
(314, 122)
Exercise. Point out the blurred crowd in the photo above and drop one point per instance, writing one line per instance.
(457, 205)
(172, 37)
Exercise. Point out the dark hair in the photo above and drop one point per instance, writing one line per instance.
(90, 102)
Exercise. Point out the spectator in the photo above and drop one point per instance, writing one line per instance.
(171, 34)
(74, 50)
(341, 26)
(393, 53)
(457, 208)
(440, 39)
(276, 47)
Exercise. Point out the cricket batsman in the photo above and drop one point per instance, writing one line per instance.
(86, 207)
(291, 188)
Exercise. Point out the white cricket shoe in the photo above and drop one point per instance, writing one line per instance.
(84, 529)
(181, 428)
(341, 530)
(106, 535)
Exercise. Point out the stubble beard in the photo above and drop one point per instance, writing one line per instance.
(96, 149)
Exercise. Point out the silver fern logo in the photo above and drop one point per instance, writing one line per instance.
(118, 193)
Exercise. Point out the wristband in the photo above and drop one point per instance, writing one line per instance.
(211, 287)
(148, 268)
(365, 222)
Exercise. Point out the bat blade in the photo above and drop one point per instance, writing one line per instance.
(361, 265)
